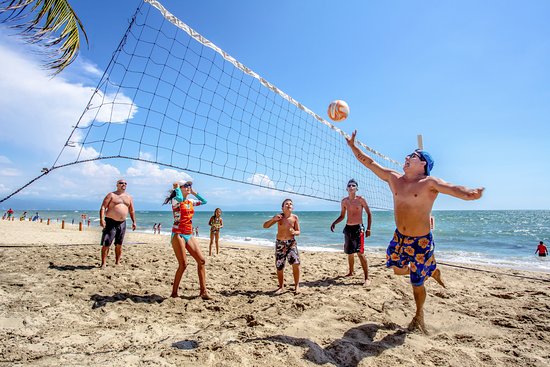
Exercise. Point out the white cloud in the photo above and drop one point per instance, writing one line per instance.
(91, 69)
(153, 173)
(4, 160)
(4, 189)
(114, 108)
(10, 172)
(261, 179)
(40, 109)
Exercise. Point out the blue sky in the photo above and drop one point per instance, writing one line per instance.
(472, 77)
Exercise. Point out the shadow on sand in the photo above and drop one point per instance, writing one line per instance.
(250, 294)
(71, 267)
(328, 282)
(355, 345)
(100, 301)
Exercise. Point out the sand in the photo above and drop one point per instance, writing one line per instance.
(58, 308)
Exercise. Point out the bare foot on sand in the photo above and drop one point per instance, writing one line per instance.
(103, 266)
(205, 296)
(417, 323)
(279, 290)
(350, 274)
(174, 295)
(297, 289)
(367, 282)
(436, 275)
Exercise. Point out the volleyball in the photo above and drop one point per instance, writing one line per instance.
(338, 110)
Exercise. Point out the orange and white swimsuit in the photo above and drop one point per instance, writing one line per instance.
(183, 211)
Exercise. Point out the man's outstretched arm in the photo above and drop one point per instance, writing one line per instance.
(382, 172)
(457, 191)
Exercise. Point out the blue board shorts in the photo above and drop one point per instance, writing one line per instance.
(416, 252)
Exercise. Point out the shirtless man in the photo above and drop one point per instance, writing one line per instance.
(411, 251)
(354, 232)
(112, 217)
(285, 245)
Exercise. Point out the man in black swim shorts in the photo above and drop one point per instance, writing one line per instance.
(112, 217)
(354, 233)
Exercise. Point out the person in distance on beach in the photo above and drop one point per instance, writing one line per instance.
(183, 210)
(541, 249)
(216, 224)
(354, 231)
(288, 226)
(112, 217)
(411, 251)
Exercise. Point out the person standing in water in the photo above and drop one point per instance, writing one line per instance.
(541, 249)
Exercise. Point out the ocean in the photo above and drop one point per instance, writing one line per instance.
(502, 238)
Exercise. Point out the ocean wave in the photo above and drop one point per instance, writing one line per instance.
(530, 263)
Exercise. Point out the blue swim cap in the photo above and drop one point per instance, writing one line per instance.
(426, 157)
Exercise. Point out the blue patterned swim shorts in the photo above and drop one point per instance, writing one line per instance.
(416, 252)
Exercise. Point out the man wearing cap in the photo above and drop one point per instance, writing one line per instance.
(112, 217)
(354, 231)
(411, 251)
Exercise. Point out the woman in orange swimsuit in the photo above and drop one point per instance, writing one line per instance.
(182, 233)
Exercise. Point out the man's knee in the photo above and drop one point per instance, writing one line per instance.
(401, 271)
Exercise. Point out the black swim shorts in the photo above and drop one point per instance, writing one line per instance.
(114, 230)
(354, 239)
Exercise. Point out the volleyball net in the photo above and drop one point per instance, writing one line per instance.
(171, 97)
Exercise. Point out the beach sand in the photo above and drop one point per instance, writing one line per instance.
(58, 308)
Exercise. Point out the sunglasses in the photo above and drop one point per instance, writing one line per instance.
(352, 185)
(187, 184)
(415, 154)
(122, 183)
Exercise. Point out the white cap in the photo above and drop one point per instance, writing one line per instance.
(183, 182)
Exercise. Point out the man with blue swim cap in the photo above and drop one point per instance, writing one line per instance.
(411, 250)
(426, 157)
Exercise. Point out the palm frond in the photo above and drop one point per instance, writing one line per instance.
(49, 23)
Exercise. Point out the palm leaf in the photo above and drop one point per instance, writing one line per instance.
(49, 23)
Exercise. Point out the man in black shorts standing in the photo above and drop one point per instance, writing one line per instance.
(354, 231)
(112, 217)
